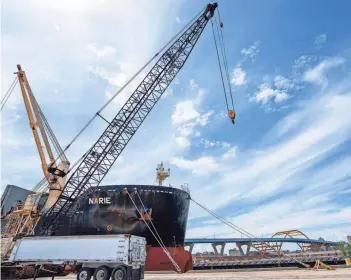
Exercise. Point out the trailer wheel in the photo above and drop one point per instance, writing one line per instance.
(119, 273)
(102, 273)
(84, 273)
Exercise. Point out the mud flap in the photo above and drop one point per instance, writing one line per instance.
(141, 272)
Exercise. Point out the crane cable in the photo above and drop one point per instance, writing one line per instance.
(221, 42)
(247, 234)
(142, 204)
(8, 93)
(221, 46)
(159, 241)
(219, 64)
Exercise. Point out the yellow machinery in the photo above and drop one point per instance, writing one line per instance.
(161, 174)
(320, 263)
(24, 217)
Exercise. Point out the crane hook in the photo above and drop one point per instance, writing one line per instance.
(231, 114)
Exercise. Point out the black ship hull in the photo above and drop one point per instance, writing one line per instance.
(110, 210)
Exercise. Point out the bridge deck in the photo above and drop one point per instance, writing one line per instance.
(248, 240)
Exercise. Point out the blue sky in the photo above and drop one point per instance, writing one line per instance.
(286, 162)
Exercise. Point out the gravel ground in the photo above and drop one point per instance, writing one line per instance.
(339, 274)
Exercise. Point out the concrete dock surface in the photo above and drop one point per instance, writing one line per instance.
(339, 273)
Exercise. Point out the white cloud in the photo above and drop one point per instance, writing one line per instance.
(182, 141)
(202, 165)
(321, 39)
(184, 111)
(239, 77)
(303, 61)
(117, 78)
(231, 153)
(57, 27)
(186, 115)
(204, 118)
(289, 162)
(104, 51)
(167, 93)
(266, 93)
(280, 82)
(317, 74)
(179, 21)
(252, 51)
(218, 144)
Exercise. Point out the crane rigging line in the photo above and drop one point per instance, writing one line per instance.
(219, 64)
(224, 55)
(8, 93)
(124, 86)
(157, 238)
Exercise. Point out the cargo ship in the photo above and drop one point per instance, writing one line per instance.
(110, 210)
(156, 212)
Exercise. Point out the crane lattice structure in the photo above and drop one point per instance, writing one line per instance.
(100, 158)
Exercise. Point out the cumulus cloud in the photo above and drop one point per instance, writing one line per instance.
(280, 82)
(182, 141)
(202, 165)
(210, 144)
(317, 74)
(114, 78)
(239, 77)
(266, 93)
(101, 52)
(252, 51)
(321, 39)
(187, 116)
(184, 111)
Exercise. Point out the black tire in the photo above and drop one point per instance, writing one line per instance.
(84, 273)
(102, 273)
(119, 273)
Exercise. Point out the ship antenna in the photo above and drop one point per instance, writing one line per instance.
(161, 174)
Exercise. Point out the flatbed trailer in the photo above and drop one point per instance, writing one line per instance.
(119, 257)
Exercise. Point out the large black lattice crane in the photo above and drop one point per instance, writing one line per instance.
(100, 158)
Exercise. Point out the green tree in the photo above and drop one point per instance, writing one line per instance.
(345, 249)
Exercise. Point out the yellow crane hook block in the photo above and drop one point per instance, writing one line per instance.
(231, 114)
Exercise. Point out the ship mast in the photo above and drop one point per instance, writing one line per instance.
(161, 174)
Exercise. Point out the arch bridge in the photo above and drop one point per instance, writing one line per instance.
(272, 245)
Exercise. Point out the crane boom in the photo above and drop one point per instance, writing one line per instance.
(100, 158)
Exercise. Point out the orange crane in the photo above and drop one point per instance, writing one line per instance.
(24, 218)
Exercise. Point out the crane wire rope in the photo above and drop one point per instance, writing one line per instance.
(158, 241)
(219, 64)
(126, 84)
(247, 234)
(8, 93)
(150, 220)
(224, 55)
